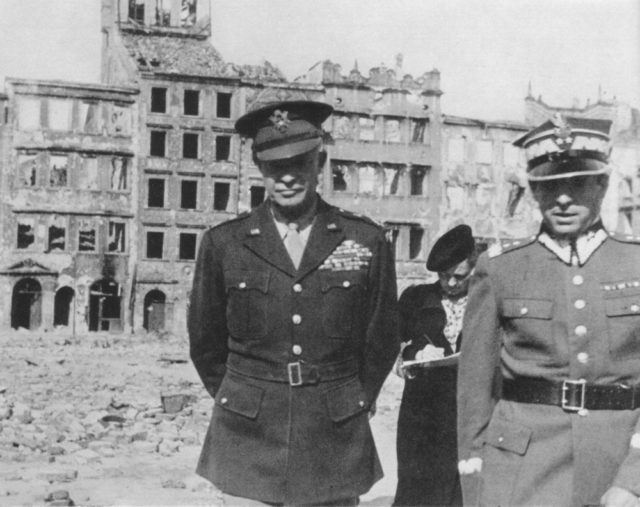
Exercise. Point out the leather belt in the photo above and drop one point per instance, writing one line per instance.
(295, 374)
(572, 395)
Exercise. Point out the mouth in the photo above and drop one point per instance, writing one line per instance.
(289, 192)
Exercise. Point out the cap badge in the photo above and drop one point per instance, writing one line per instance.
(280, 120)
(562, 132)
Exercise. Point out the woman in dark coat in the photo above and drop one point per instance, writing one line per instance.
(430, 324)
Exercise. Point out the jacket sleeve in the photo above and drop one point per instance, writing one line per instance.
(206, 319)
(382, 341)
(478, 363)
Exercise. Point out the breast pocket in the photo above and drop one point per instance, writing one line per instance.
(341, 303)
(527, 323)
(247, 304)
(623, 323)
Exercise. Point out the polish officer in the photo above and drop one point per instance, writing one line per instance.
(549, 392)
(292, 326)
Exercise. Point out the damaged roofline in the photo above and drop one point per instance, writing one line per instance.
(40, 85)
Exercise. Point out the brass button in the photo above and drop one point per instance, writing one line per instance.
(500, 439)
(580, 304)
(297, 288)
(296, 349)
(361, 403)
(524, 310)
(578, 280)
(583, 412)
(583, 357)
(346, 284)
(580, 330)
(242, 285)
(223, 401)
(296, 319)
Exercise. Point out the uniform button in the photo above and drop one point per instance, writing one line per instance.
(581, 330)
(583, 357)
(583, 412)
(578, 280)
(580, 304)
(296, 349)
(223, 401)
(296, 319)
(500, 439)
(361, 403)
(524, 310)
(634, 308)
(242, 285)
(346, 284)
(297, 288)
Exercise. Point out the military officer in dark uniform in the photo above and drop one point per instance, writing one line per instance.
(549, 393)
(292, 326)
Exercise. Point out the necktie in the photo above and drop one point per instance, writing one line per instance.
(293, 243)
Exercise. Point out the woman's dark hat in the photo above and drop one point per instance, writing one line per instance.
(283, 124)
(453, 247)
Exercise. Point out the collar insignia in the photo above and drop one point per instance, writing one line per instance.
(280, 120)
(254, 232)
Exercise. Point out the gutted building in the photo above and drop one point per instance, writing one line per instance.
(68, 209)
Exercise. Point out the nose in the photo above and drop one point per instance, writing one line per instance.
(564, 199)
(452, 282)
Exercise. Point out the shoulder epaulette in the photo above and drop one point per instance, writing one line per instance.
(502, 248)
(241, 216)
(624, 238)
(357, 216)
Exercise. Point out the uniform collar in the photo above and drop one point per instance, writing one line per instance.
(577, 252)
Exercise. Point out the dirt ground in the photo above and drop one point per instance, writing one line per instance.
(83, 418)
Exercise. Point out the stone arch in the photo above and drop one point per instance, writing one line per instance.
(154, 310)
(62, 305)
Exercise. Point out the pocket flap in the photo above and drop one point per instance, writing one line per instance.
(627, 305)
(246, 280)
(508, 435)
(527, 308)
(346, 400)
(339, 280)
(243, 399)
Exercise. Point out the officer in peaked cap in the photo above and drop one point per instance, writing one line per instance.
(292, 326)
(549, 376)
(430, 328)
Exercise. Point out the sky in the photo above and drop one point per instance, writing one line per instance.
(487, 51)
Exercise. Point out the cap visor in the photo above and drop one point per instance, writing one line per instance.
(289, 150)
(554, 171)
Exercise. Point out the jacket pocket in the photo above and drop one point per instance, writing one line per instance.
(508, 436)
(346, 400)
(242, 399)
(521, 308)
(341, 302)
(247, 303)
(623, 323)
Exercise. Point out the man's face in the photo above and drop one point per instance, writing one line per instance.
(291, 183)
(570, 205)
(455, 280)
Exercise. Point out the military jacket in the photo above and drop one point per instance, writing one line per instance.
(530, 314)
(253, 315)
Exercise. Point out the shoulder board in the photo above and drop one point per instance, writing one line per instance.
(357, 216)
(241, 216)
(502, 248)
(624, 238)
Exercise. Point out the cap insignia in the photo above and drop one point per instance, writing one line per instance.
(562, 132)
(280, 120)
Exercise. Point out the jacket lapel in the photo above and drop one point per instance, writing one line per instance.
(262, 238)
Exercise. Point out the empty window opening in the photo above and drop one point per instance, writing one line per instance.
(158, 143)
(62, 306)
(90, 117)
(417, 175)
(191, 102)
(105, 302)
(60, 114)
(86, 237)
(223, 147)
(88, 177)
(415, 242)
(190, 145)
(221, 194)
(155, 244)
(368, 180)
(154, 310)
(26, 304)
(342, 177)
(163, 12)
(26, 235)
(367, 129)
(27, 170)
(187, 250)
(28, 114)
(188, 194)
(120, 120)
(158, 100)
(136, 11)
(188, 13)
(58, 170)
(339, 183)
(119, 170)
(155, 199)
(257, 196)
(116, 241)
(391, 180)
(393, 233)
(57, 236)
(417, 130)
(223, 105)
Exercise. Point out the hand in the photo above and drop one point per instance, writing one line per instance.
(619, 497)
(429, 353)
(397, 368)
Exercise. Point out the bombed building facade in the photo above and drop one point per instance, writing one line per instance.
(107, 188)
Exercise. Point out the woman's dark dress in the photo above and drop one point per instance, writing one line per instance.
(426, 441)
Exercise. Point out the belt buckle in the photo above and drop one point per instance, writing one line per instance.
(570, 397)
(295, 374)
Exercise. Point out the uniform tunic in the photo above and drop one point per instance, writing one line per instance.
(426, 440)
(532, 315)
(252, 314)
